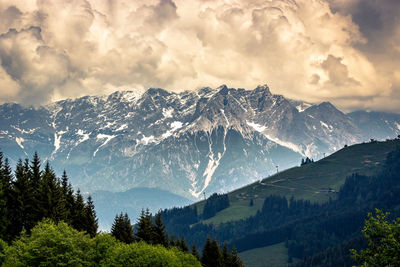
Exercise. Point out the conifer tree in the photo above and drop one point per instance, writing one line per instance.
(36, 172)
(225, 255)
(22, 200)
(91, 219)
(159, 234)
(78, 215)
(172, 242)
(6, 179)
(195, 252)
(212, 256)
(35, 178)
(51, 201)
(144, 227)
(68, 195)
(122, 228)
(3, 212)
(183, 245)
(235, 261)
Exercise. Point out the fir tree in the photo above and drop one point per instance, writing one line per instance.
(68, 195)
(51, 201)
(226, 257)
(122, 229)
(91, 224)
(195, 252)
(183, 245)
(144, 227)
(78, 215)
(35, 179)
(6, 180)
(35, 169)
(212, 256)
(3, 211)
(172, 242)
(159, 234)
(22, 199)
(235, 261)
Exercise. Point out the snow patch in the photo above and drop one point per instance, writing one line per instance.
(122, 127)
(174, 126)
(129, 96)
(30, 131)
(255, 126)
(145, 140)
(167, 113)
(303, 106)
(289, 145)
(100, 137)
(329, 127)
(57, 139)
(397, 125)
(19, 141)
(84, 136)
(226, 119)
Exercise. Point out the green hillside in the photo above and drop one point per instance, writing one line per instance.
(316, 181)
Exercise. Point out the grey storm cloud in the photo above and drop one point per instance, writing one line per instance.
(344, 51)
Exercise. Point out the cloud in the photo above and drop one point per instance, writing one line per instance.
(338, 72)
(306, 49)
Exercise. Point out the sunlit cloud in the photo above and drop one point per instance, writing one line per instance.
(312, 50)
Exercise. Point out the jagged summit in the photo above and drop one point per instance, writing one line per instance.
(210, 140)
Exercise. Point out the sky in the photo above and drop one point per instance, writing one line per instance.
(343, 51)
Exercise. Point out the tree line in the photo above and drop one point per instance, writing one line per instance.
(310, 231)
(34, 202)
(151, 230)
(33, 193)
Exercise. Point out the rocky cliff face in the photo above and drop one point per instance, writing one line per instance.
(188, 143)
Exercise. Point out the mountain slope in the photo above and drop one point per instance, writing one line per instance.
(189, 143)
(318, 181)
(304, 210)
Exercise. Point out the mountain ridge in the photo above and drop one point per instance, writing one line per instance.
(210, 140)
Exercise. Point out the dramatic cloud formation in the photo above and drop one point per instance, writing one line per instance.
(344, 51)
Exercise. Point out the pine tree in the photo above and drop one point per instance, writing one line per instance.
(225, 255)
(78, 215)
(172, 242)
(6, 180)
(183, 245)
(91, 219)
(51, 201)
(68, 195)
(144, 227)
(3, 212)
(35, 169)
(22, 199)
(235, 260)
(195, 252)
(35, 178)
(159, 234)
(122, 228)
(212, 256)
(251, 204)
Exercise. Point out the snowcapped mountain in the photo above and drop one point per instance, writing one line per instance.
(188, 143)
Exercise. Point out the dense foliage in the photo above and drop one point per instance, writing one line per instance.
(33, 193)
(151, 230)
(383, 240)
(51, 244)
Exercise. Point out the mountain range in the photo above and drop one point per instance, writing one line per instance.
(191, 143)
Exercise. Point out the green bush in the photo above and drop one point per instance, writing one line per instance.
(52, 244)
